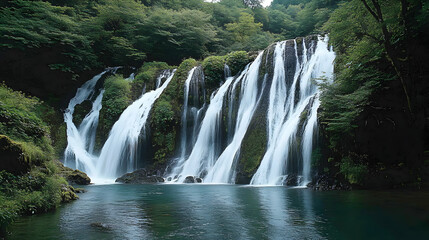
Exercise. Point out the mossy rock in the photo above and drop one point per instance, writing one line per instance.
(116, 98)
(72, 176)
(214, 74)
(165, 115)
(13, 157)
(68, 194)
(237, 61)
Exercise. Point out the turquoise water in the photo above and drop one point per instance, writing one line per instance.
(231, 212)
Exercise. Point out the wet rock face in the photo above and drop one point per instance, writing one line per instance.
(291, 180)
(139, 176)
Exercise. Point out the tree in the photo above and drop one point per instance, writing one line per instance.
(244, 28)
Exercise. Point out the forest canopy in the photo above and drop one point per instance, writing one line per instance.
(86, 34)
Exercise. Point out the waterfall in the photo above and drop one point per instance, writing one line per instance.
(120, 152)
(281, 92)
(283, 139)
(223, 170)
(207, 158)
(131, 77)
(79, 150)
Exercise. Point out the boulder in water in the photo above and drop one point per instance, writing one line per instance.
(291, 180)
(189, 179)
(73, 176)
(192, 179)
(139, 176)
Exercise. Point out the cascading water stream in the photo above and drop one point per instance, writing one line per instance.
(223, 170)
(204, 158)
(274, 166)
(119, 153)
(211, 137)
(79, 150)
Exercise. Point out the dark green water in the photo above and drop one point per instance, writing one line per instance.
(231, 212)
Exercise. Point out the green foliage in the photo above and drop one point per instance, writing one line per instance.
(299, 17)
(185, 32)
(237, 61)
(355, 173)
(37, 24)
(165, 115)
(114, 31)
(147, 76)
(244, 28)
(21, 118)
(36, 192)
(213, 68)
(117, 97)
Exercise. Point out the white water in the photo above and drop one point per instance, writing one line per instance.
(273, 167)
(204, 150)
(121, 148)
(78, 153)
(223, 170)
(204, 158)
(184, 119)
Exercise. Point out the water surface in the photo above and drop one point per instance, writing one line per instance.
(231, 212)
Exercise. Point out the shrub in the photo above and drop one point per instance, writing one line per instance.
(354, 172)
(237, 61)
(147, 76)
(213, 68)
(116, 99)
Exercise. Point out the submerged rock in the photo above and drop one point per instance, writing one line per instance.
(101, 226)
(139, 176)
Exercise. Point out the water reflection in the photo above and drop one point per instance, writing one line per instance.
(228, 212)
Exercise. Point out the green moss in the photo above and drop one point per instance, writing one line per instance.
(147, 76)
(237, 61)
(21, 118)
(116, 98)
(165, 115)
(213, 68)
(38, 191)
(355, 173)
(252, 150)
(80, 111)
